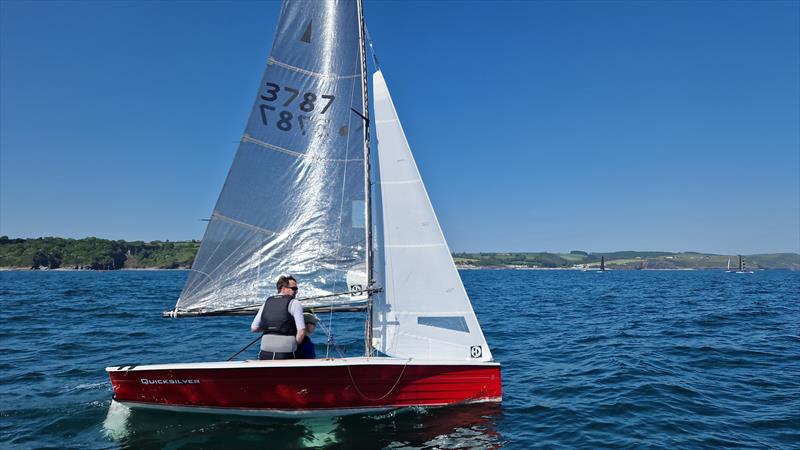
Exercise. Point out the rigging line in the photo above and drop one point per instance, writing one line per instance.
(367, 326)
(335, 294)
(330, 340)
(341, 213)
(244, 348)
(362, 117)
(387, 392)
(372, 48)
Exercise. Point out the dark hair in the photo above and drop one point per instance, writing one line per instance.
(283, 281)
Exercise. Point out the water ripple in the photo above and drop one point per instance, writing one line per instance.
(641, 359)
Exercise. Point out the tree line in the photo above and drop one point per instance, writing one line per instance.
(95, 254)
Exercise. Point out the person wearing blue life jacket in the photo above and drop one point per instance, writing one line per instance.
(305, 350)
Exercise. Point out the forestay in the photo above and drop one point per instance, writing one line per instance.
(423, 311)
(293, 201)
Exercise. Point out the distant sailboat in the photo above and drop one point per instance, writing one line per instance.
(742, 268)
(729, 270)
(602, 264)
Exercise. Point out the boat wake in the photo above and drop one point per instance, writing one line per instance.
(115, 426)
(419, 427)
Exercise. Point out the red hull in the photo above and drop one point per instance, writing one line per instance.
(296, 387)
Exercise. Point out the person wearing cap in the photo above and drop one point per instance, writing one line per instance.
(305, 350)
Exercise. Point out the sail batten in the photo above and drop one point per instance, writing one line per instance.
(273, 61)
(295, 153)
(249, 226)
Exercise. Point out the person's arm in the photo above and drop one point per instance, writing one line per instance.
(255, 327)
(296, 310)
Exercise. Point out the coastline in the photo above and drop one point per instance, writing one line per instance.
(103, 254)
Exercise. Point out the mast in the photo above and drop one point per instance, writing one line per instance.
(367, 181)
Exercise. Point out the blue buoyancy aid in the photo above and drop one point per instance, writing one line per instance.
(306, 349)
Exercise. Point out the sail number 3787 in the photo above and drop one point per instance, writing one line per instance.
(284, 120)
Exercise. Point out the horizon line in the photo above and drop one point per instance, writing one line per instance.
(452, 251)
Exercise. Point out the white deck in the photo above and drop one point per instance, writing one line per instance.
(249, 364)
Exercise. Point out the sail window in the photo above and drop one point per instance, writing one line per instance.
(455, 323)
(358, 213)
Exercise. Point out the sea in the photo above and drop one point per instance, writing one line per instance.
(622, 359)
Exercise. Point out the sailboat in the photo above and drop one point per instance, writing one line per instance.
(299, 200)
(602, 264)
(742, 268)
(729, 270)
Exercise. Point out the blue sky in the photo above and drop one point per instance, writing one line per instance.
(536, 125)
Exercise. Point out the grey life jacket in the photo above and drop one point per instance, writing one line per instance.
(275, 318)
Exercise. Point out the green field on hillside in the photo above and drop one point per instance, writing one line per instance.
(626, 260)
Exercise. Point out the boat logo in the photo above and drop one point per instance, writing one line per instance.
(184, 381)
(356, 290)
(476, 351)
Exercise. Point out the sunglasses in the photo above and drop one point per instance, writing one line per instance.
(294, 288)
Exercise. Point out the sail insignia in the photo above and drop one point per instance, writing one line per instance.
(307, 34)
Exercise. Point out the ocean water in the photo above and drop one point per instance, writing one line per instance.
(635, 359)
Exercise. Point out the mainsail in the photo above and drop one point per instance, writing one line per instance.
(293, 201)
(423, 311)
